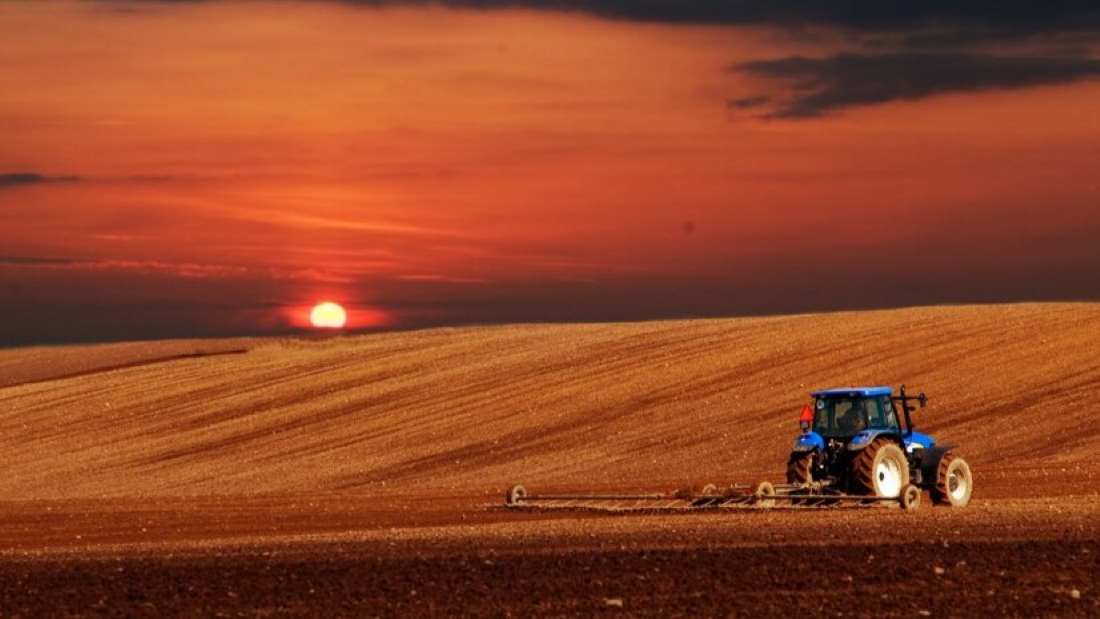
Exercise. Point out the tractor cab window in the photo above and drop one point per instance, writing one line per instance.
(839, 416)
(842, 416)
(881, 411)
(890, 416)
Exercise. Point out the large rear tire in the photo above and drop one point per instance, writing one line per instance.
(954, 482)
(800, 472)
(799, 467)
(880, 469)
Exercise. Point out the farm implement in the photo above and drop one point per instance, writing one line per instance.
(763, 495)
(853, 451)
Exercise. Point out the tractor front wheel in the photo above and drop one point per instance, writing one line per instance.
(881, 469)
(954, 483)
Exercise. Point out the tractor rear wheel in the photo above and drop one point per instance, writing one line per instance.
(800, 472)
(881, 469)
(954, 483)
(798, 467)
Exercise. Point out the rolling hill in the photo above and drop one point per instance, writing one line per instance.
(471, 410)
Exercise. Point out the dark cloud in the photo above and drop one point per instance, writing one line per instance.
(1063, 32)
(822, 85)
(1005, 15)
(17, 179)
(903, 23)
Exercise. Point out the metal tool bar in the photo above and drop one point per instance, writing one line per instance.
(593, 497)
(763, 495)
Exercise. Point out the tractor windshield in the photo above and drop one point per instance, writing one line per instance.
(844, 416)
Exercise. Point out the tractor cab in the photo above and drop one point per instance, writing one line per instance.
(854, 416)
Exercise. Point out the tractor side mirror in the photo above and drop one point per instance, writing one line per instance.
(923, 399)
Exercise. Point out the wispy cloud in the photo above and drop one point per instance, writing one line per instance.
(189, 270)
(744, 103)
(301, 220)
(34, 261)
(339, 273)
(442, 279)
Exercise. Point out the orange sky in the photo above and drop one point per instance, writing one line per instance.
(209, 168)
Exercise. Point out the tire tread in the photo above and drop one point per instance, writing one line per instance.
(863, 466)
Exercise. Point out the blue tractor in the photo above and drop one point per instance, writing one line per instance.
(853, 442)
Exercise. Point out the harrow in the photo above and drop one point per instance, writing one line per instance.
(762, 495)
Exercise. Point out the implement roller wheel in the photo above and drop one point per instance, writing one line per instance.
(881, 469)
(694, 492)
(706, 496)
(954, 482)
(764, 494)
(515, 495)
(910, 498)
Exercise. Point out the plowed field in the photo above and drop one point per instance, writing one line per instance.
(356, 475)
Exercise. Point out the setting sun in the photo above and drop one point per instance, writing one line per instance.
(328, 315)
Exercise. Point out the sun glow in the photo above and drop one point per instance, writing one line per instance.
(328, 315)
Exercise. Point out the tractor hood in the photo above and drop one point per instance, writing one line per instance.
(916, 440)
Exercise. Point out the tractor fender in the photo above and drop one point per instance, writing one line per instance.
(866, 437)
(930, 463)
(808, 441)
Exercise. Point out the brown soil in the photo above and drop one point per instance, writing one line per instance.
(357, 475)
(45, 363)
